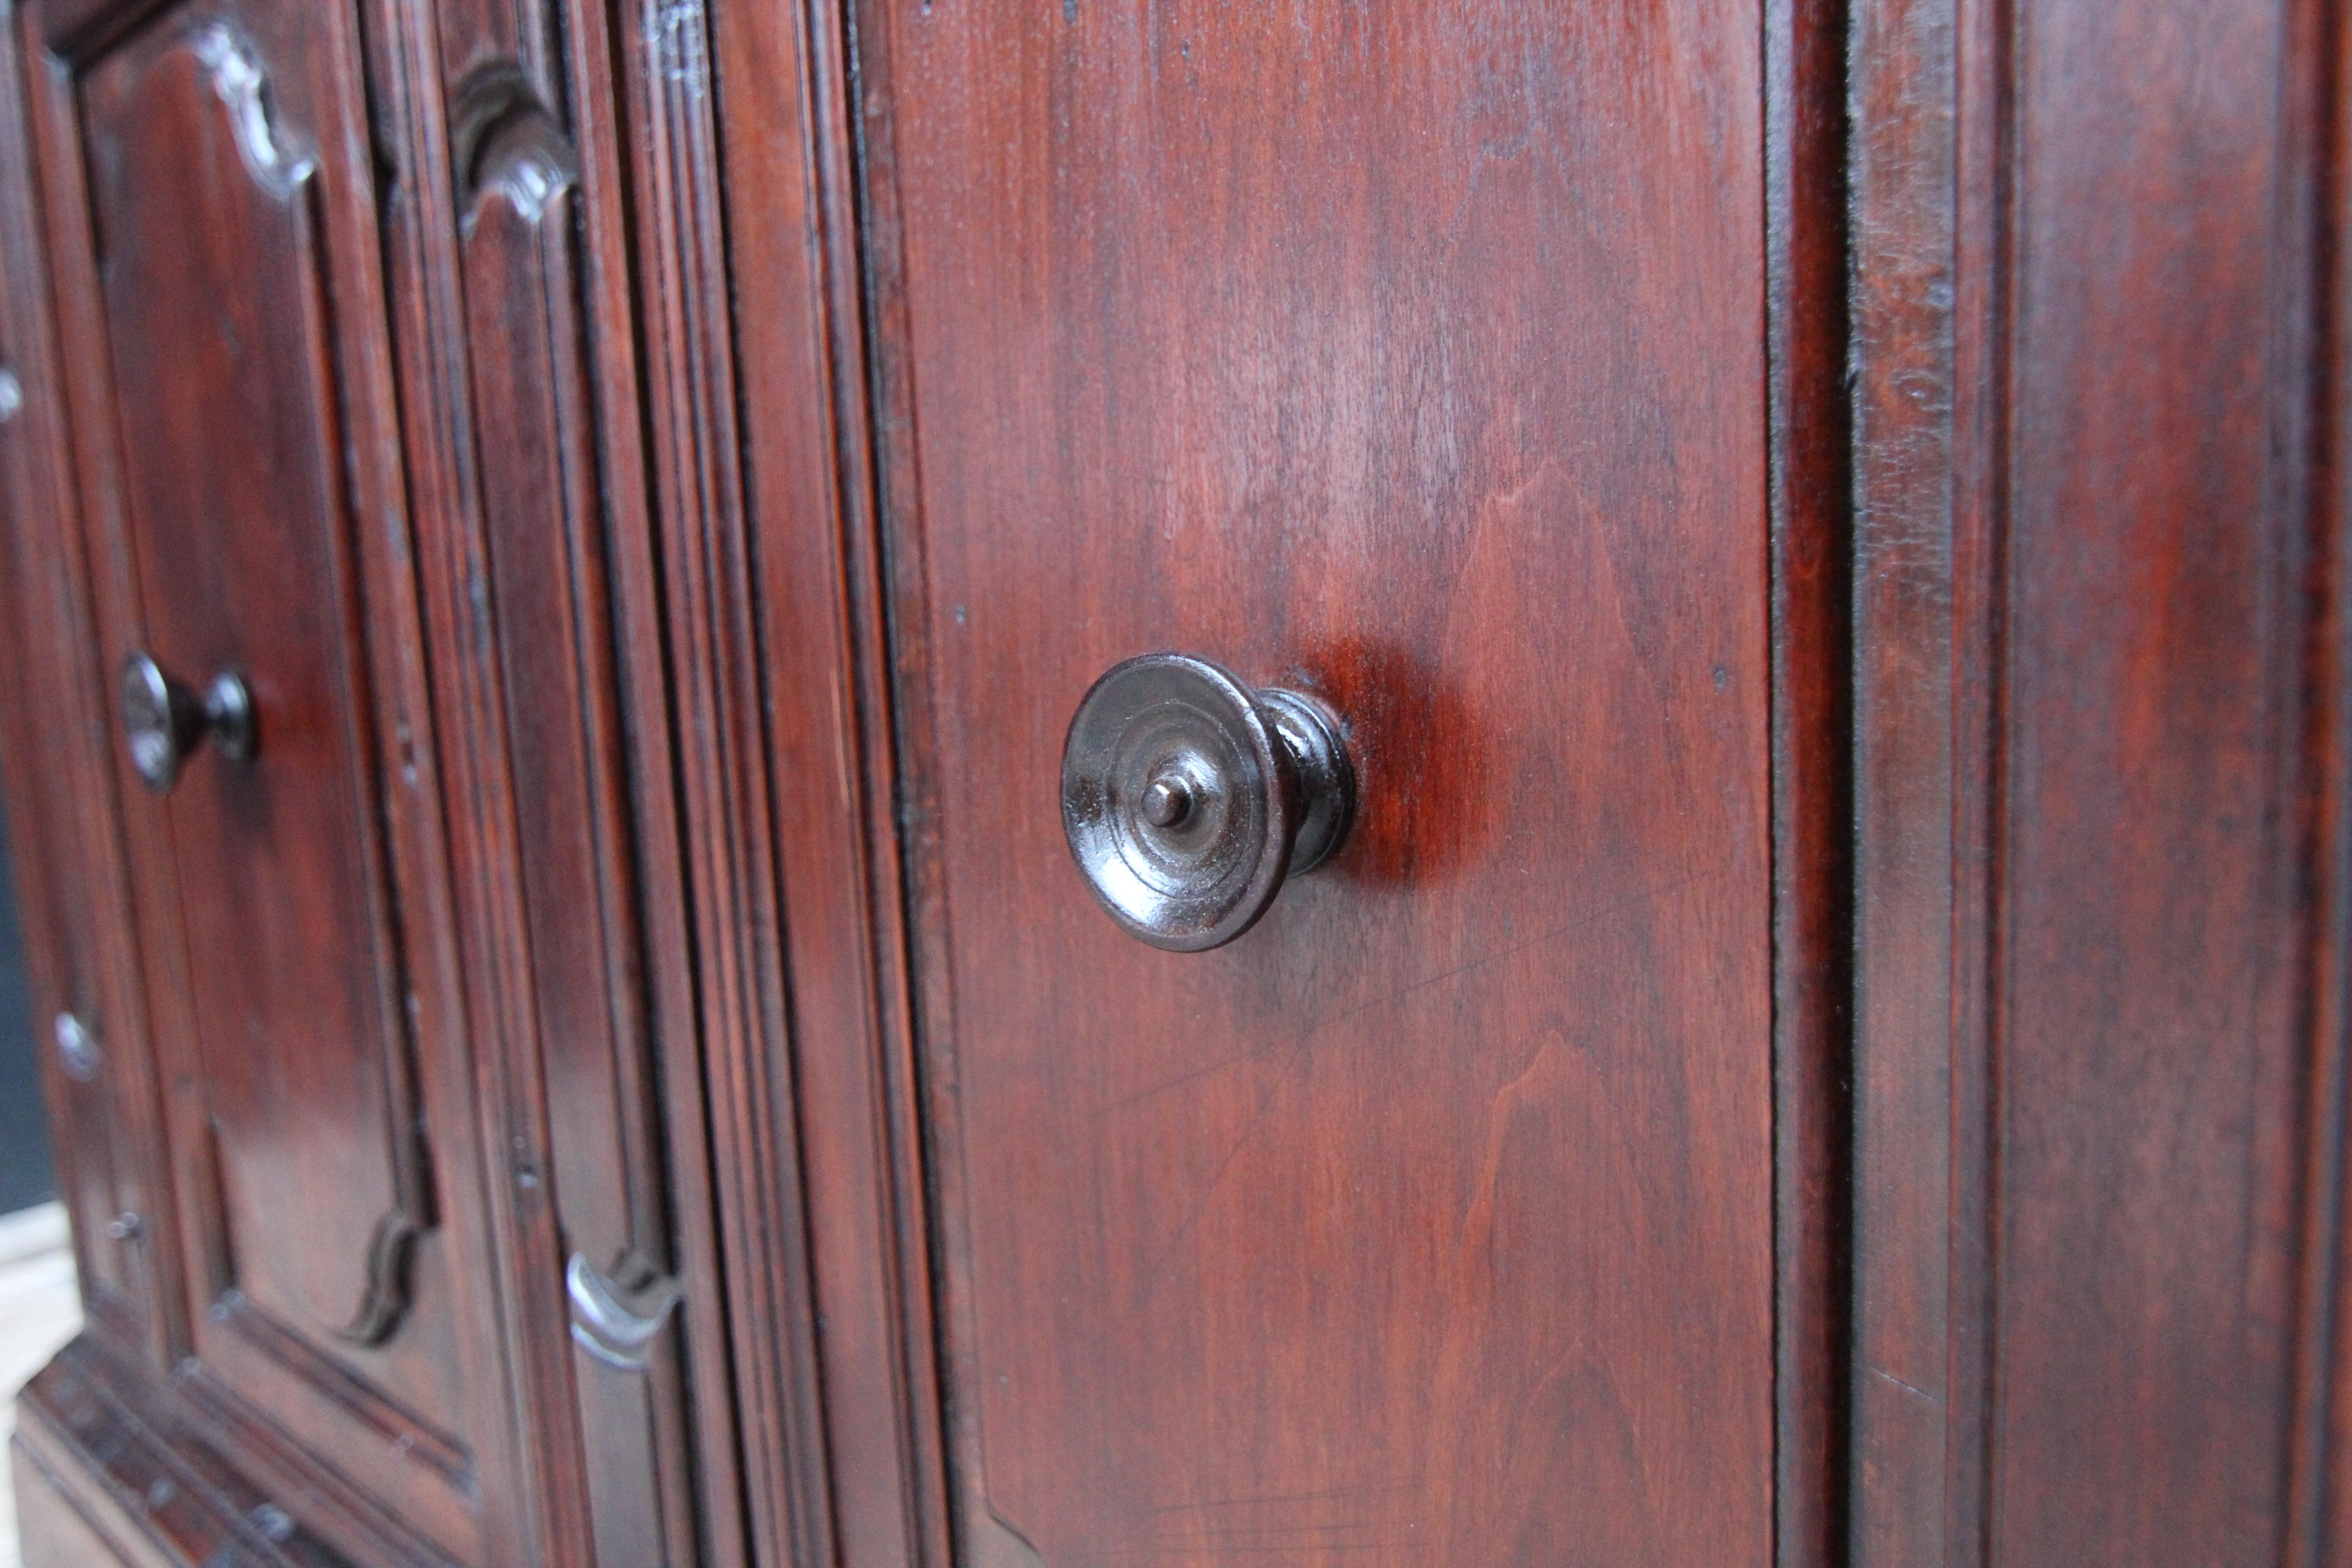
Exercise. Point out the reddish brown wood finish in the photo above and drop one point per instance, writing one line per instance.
(58, 755)
(519, 358)
(556, 452)
(2150, 848)
(660, 469)
(239, 475)
(2100, 691)
(2319, 1495)
(243, 296)
(1806, 257)
(1430, 1221)
(107, 1471)
(817, 670)
(1910, 1483)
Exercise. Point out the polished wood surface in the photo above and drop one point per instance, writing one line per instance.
(238, 470)
(2157, 870)
(59, 768)
(2100, 1110)
(516, 333)
(266, 284)
(553, 453)
(1430, 1221)
(793, 804)
(1824, 517)
(107, 1471)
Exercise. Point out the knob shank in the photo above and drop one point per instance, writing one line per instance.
(165, 721)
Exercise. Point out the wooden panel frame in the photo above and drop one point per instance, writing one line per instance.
(1904, 174)
(524, 278)
(71, 879)
(530, 1449)
(107, 1471)
(1944, 150)
(803, 117)
(795, 817)
(54, 40)
(771, 639)
(574, 64)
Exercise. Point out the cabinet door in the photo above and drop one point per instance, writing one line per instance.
(1409, 356)
(212, 201)
(54, 761)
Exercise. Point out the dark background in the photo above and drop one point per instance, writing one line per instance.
(27, 1174)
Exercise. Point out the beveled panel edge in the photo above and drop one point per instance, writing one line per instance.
(137, 1462)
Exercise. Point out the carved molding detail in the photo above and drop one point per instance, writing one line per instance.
(527, 162)
(274, 160)
(386, 1302)
(507, 145)
(615, 1317)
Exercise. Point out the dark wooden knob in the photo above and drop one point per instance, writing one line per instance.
(1190, 798)
(163, 721)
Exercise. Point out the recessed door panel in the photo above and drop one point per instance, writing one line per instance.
(1409, 357)
(248, 523)
(240, 530)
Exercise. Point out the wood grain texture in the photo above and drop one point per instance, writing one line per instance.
(514, 289)
(490, 1129)
(1903, 162)
(212, 227)
(555, 419)
(2150, 1022)
(694, 464)
(512, 344)
(236, 536)
(810, 482)
(514, 456)
(57, 757)
(2100, 1102)
(1807, 255)
(107, 1473)
(1432, 1221)
(718, 680)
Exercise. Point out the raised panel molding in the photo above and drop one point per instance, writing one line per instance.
(641, 432)
(264, 263)
(60, 775)
(309, 1298)
(378, 1252)
(547, 488)
(2101, 713)
(239, 84)
(814, 836)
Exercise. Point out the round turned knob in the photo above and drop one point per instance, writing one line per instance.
(1189, 799)
(163, 721)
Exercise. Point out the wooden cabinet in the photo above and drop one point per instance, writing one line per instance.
(244, 518)
(395, 1010)
(1398, 1228)
(1817, 528)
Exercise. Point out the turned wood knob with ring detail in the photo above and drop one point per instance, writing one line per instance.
(163, 721)
(1188, 799)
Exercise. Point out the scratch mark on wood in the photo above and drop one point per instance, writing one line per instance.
(1881, 1372)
